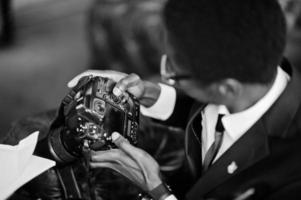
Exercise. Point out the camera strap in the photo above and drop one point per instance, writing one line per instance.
(64, 108)
(69, 98)
(68, 183)
(66, 173)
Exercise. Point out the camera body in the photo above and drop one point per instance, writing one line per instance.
(91, 115)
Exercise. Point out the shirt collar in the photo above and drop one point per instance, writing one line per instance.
(237, 124)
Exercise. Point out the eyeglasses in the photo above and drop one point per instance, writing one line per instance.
(167, 75)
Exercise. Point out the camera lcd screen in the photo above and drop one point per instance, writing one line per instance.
(114, 119)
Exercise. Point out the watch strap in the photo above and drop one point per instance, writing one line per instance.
(160, 192)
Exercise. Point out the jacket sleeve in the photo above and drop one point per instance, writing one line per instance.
(180, 115)
(24, 127)
(289, 191)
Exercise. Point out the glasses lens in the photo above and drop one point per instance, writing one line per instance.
(163, 65)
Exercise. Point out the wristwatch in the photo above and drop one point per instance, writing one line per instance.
(158, 193)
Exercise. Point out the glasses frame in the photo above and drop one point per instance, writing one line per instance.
(170, 77)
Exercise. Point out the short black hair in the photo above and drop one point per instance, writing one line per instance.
(218, 39)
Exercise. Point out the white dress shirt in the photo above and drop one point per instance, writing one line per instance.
(236, 124)
(164, 106)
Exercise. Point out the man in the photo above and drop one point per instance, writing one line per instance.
(242, 106)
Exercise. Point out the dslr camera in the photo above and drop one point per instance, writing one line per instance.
(87, 117)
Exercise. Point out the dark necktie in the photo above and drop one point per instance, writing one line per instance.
(218, 137)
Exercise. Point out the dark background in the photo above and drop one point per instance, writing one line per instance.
(49, 49)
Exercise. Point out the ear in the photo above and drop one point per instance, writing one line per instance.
(229, 88)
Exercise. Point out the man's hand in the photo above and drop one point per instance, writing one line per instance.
(145, 91)
(115, 75)
(131, 162)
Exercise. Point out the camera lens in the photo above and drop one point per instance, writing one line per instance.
(99, 106)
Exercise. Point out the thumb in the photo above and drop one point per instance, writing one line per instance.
(123, 144)
(118, 139)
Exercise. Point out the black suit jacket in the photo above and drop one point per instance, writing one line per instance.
(265, 163)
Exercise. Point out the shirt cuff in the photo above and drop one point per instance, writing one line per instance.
(164, 106)
(171, 197)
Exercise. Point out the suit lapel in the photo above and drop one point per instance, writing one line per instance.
(253, 145)
(248, 150)
(193, 142)
(279, 117)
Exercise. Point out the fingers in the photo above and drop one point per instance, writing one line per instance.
(130, 83)
(130, 161)
(116, 76)
(119, 161)
(118, 139)
(149, 167)
(114, 156)
(125, 83)
(133, 176)
(110, 85)
(120, 164)
(136, 153)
